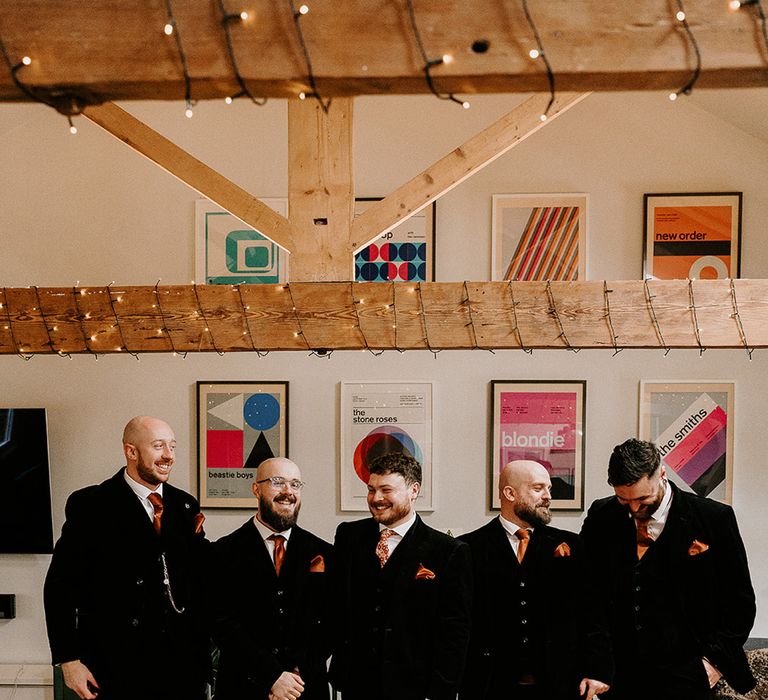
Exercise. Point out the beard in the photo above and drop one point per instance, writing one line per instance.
(396, 512)
(534, 515)
(276, 520)
(146, 472)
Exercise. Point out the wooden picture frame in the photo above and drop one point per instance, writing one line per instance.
(239, 424)
(543, 421)
(692, 235)
(691, 423)
(539, 237)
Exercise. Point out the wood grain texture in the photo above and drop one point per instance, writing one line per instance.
(324, 316)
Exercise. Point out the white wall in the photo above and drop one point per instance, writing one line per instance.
(87, 208)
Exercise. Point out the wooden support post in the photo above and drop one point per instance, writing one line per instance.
(320, 189)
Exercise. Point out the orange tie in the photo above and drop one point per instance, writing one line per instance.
(157, 504)
(279, 541)
(644, 539)
(382, 551)
(524, 536)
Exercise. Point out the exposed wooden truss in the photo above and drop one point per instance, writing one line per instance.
(116, 49)
(386, 316)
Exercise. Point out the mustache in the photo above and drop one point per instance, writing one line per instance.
(287, 498)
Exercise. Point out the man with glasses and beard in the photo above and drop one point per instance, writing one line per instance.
(535, 648)
(670, 571)
(403, 596)
(122, 594)
(270, 597)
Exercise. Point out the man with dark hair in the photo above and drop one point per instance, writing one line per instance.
(270, 597)
(670, 570)
(403, 608)
(122, 594)
(536, 649)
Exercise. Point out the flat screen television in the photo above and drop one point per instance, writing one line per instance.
(26, 522)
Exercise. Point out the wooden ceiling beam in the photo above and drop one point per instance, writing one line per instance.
(192, 172)
(386, 316)
(116, 49)
(458, 165)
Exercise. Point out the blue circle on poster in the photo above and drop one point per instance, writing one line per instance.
(388, 252)
(261, 411)
(422, 251)
(407, 271)
(369, 271)
(407, 252)
(422, 274)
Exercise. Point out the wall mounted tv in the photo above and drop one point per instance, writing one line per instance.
(26, 524)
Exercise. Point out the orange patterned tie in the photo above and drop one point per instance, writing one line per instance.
(382, 551)
(644, 539)
(524, 536)
(279, 541)
(157, 504)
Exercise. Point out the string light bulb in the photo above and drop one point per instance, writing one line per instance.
(168, 29)
(303, 10)
(188, 113)
(680, 16)
(26, 60)
(672, 96)
(534, 54)
(244, 15)
(543, 118)
(447, 58)
(228, 100)
(466, 104)
(302, 95)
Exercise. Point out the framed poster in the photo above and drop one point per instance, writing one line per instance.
(227, 251)
(539, 237)
(691, 423)
(692, 236)
(378, 418)
(542, 421)
(405, 253)
(239, 425)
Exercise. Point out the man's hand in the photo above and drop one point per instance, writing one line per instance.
(592, 687)
(713, 675)
(287, 687)
(77, 677)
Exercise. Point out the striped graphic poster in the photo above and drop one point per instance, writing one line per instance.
(691, 425)
(539, 237)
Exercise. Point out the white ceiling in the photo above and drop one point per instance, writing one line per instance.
(746, 109)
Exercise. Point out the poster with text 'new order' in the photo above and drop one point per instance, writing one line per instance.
(692, 425)
(542, 422)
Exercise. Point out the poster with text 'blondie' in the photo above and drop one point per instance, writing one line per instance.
(240, 424)
(692, 425)
(378, 418)
(542, 421)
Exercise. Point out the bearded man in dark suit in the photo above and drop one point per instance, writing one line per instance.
(271, 597)
(121, 594)
(403, 606)
(535, 648)
(670, 570)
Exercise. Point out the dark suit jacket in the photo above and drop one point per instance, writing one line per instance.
(527, 618)
(402, 629)
(707, 597)
(264, 625)
(105, 601)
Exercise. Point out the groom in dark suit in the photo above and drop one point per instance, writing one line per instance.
(403, 607)
(121, 594)
(671, 571)
(270, 598)
(535, 647)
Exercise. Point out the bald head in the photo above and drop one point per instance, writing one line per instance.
(150, 450)
(278, 505)
(525, 493)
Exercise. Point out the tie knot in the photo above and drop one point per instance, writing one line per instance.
(523, 535)
(277, 539)
(386, 534)
(157, 501)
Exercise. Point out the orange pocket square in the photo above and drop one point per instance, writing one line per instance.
(317, 565)
(562, 550)
(697, 548)
(424, 573)
(199, 520)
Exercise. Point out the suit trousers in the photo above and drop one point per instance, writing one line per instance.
(686, 680)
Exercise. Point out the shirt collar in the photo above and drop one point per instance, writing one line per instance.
(660, 514)
(403, 527)
(267, 532)
(511, 528)
(139, 489)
